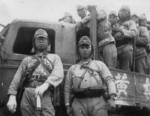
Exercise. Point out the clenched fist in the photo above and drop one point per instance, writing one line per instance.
(41, 89)
(12, 103)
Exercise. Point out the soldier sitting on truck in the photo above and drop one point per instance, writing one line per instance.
(38, 75)
(107, 46)
(141, 44)
(85, 18)
(85, 81)
(68, 18)
(125, 36)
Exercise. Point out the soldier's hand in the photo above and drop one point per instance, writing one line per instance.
(68, 110)
(118, 36)
(12, 103)
(78, 26)
(41, 89)
(117, 29)
(111, 104)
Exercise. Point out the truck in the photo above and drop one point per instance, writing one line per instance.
(133, 89)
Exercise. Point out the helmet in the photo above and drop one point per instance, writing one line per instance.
(79, 7)
(113, 13)
(142, 17)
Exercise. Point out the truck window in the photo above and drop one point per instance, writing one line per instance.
(23, 42)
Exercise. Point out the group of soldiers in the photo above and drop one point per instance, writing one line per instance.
(85, 91)
(123, 39)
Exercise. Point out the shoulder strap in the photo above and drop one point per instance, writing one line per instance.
(30, 70)
(43, 65)
(83, 75)
(92, 72)
(50, 62)
(99, 72)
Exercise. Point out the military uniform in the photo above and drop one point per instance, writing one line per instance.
(39, 76)
(107, 46)
(85, 82)
(85, 19)
(141, 45)
(125, 39)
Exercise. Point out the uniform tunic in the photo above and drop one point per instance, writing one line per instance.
(28, 104)
(124, 44)
(141, 54)
(78, 77)
(107, 46)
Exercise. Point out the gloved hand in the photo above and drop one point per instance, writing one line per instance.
(12, 103)
(78, 26)
(68, 108)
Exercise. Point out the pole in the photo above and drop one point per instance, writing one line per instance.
(93, 28)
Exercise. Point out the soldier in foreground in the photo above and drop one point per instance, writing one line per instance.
(45, 73)
(85, 81)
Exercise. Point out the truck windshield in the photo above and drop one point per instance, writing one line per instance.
(23, 42)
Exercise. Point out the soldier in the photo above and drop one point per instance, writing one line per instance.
(68, 18)
(141, 45)
(85, 18)
(125, 36)
(85, 81)
(107, 46)
(113, 18)
(45, 72)
(135, 18)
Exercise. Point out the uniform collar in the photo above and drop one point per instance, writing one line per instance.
(85, 62)
(43, 54)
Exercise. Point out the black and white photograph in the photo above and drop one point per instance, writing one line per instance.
(74, 58)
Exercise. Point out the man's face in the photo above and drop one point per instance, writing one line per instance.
(112, 19)
(106, 32)
(81, 12)
(41, 43)
(123, 14)
(135, 19)
(85, 51)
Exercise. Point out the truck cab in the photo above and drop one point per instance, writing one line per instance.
(133, 89)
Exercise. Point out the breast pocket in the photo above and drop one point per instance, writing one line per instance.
(76, 80)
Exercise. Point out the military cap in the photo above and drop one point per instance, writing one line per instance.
(84, 40)
(101, 14)
(79, 7)
(125, 7)
(134, 14)
(142, 17)
(40, 33)
(113, 13)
